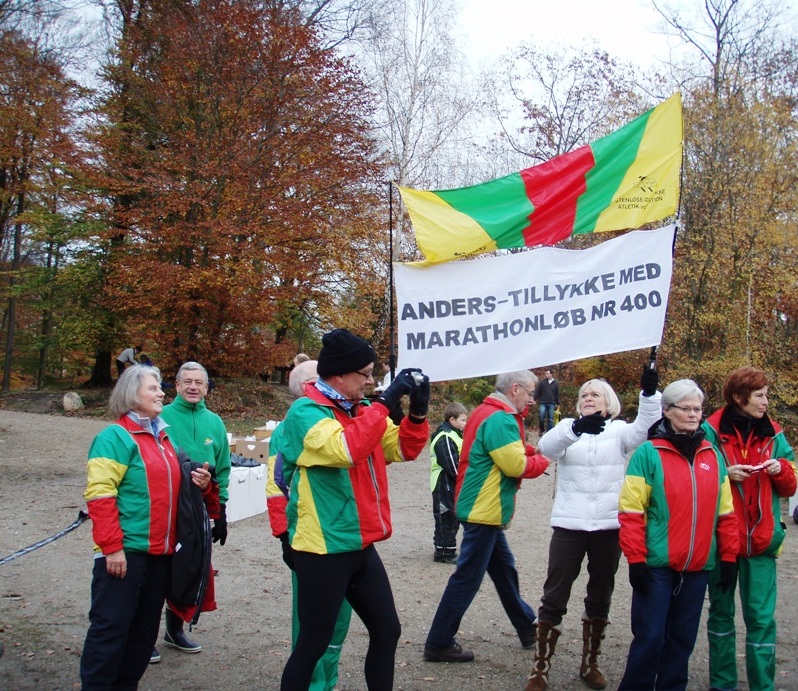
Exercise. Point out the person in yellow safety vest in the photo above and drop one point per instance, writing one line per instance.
(444, 453)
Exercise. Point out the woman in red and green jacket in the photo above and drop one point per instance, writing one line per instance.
(760, 464)
(132, 498)
(676, 515)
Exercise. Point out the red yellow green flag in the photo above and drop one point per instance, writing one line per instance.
(621, 181)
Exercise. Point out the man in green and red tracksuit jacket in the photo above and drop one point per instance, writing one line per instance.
(325, 673)
(335, 449)
(494, 459)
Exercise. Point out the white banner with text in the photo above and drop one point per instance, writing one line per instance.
(534, 308)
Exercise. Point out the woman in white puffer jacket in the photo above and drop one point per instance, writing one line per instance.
(591, 453)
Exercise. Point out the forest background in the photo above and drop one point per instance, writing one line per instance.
(218, 189)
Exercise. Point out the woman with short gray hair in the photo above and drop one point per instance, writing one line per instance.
(132, 498)
(677, 519)
(125, 395)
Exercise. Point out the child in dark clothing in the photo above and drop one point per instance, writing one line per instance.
(444, 453)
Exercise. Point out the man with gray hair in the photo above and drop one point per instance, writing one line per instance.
(202, 435)
(493, 460)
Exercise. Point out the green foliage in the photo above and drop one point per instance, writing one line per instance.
(469, 392)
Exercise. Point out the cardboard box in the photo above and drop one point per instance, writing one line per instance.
(262, 450)
(246, 447)
(247, 492)
(265, 432)
(249, 447)
(262, 432)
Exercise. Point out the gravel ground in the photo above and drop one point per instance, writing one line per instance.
(44, 595)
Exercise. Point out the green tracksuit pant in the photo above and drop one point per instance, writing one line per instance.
(757, 586)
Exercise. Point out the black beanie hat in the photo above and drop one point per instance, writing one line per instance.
(343, 352)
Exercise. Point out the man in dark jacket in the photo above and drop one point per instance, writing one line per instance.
(547, 396)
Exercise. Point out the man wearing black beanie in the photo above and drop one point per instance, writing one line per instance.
(343, 352)
(335, 447)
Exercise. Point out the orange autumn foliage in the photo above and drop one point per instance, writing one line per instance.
(238, 158)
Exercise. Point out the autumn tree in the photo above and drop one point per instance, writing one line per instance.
(423, 97)
(423, 102)
(238, 158)
(36, 146)
(734, 294)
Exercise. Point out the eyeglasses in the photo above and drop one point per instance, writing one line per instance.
(365, 375)
(529, 393)
(194, 382)
(688, 409)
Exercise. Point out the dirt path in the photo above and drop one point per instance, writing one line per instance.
(44, 595)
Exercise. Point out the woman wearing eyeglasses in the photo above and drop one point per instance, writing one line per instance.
(760, 464)
(677, 518)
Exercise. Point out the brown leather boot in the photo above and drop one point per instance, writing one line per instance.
(546, 641)
(592, 635)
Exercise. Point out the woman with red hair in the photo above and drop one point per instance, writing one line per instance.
(760, 465)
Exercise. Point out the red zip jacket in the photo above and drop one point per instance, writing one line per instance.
(132, 490)
(335, 465)
(756, 499)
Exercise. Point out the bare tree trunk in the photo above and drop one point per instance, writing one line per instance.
(8, 360)
(46, 331)
(101, 372)
(47, 314)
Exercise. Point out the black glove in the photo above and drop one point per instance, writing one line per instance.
(219, 530)
(728, 575)
(288, 551)
(419, 398)
(396, 415)
(402, 385)
(589, 424)
(640, 577)
(649, 381)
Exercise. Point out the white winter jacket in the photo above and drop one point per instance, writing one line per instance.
(591, 468)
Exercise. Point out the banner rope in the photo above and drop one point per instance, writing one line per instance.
(82, 516)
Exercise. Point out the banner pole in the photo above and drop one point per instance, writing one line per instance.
(391, 328)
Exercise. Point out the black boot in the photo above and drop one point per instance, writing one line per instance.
(174, 637)
(445, 555)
